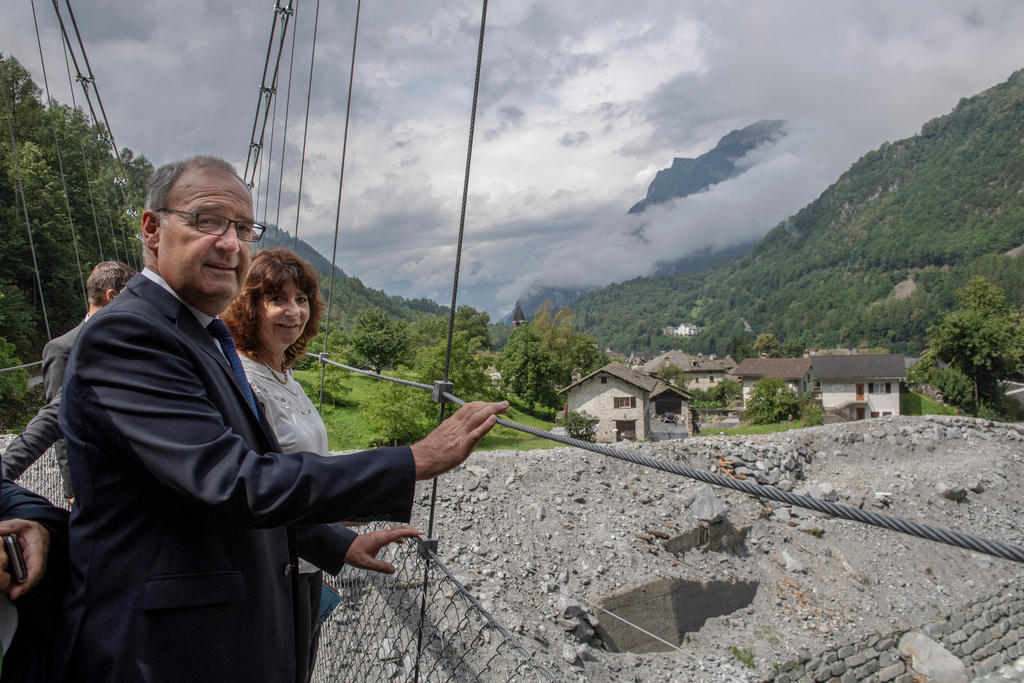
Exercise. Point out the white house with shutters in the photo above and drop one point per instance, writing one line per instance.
(858, 387)
(626, 401)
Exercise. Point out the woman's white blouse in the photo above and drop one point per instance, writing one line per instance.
(295, 419)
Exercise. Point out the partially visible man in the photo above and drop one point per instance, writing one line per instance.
(41, 530)
(105, 282)
(189, 521)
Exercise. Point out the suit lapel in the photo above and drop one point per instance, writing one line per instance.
(178, 315)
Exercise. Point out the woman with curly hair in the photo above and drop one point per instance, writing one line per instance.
(272, 319)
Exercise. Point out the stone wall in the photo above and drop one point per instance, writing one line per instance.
(984, 635)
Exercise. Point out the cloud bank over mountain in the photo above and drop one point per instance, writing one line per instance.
(581, 103)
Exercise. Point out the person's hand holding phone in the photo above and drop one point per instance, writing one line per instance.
(34, 542)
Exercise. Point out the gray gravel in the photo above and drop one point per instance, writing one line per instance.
(531, 533)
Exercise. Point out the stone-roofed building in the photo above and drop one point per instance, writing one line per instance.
(856, 387)
(702, 372)
(796, 372)
(626, 402)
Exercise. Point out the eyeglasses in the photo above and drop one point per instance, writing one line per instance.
(212, 224)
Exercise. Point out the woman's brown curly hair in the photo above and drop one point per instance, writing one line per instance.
(271, 269)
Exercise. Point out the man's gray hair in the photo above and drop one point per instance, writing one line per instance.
(163, 178)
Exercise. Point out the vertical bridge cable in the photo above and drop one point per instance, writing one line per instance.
(451, 311)
(287, 109)
(253, 150)
(9, 110)
(305, 128)
(60, 158)
(106, 136)
(85, 161)
(341, 184)
(256, 146)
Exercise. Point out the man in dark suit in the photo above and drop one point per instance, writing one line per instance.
(187, 524)
(105, 282)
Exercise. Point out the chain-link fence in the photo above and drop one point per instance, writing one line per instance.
(418, 624)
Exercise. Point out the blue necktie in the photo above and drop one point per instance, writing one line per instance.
(220, 332)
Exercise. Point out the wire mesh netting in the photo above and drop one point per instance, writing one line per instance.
(43, 477)
(419, 624)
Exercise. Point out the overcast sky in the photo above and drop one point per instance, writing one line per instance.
(581, 103)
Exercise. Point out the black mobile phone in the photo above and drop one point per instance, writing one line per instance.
(15, 560)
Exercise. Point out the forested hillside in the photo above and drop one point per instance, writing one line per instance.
(350, 295)
(104, 207)
(925, 213)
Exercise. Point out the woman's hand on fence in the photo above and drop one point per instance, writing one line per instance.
(363, 551)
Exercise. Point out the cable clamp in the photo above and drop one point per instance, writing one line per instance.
(426, 546)
(322, 357)
(441, 388)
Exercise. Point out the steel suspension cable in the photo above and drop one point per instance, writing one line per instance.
(60, 158)
(455, 293)
(1007, 551)
(305, 127)
(256, 146)
(996, 548)
(250, 160)
(9, 111)
(21, 367)
(270, 159)
(341, 184)
(105, 135)
(287, 109)
(123, 181)
(85, 161)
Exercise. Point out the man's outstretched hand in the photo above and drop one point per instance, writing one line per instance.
(455, 438)
(363, 551)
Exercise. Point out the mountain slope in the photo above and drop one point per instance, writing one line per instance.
(350, 295)
(928, 212)
(688, 176)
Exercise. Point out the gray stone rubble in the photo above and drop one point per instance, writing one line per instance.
(543, 537)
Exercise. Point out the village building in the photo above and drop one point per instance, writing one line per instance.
(702, 372)
(517, 316)
(628, 403)
(683, 330)
(857, 387)
(795, 372)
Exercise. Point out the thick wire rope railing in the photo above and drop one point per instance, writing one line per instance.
(21, 367)
(1007, 551)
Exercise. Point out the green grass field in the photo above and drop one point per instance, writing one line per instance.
(346, 427)
(919, 404)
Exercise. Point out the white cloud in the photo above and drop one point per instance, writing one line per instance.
(581, 103)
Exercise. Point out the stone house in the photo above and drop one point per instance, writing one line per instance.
(796, 372)
(857, 387)
(702, 372)
(626, 402)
